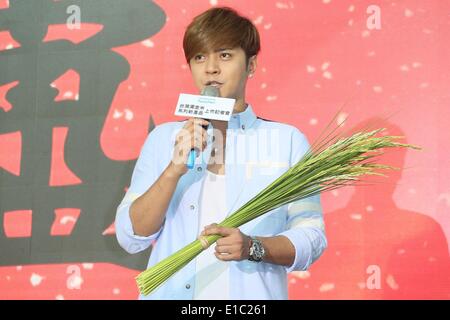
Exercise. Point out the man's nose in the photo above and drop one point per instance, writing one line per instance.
(212, 65)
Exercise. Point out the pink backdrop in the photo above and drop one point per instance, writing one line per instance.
(388, 241)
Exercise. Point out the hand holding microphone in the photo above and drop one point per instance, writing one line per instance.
(192, 138)
(211, 92)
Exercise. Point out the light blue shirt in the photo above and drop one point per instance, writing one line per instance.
(257, 152)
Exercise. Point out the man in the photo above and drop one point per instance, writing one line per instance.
(168, 205)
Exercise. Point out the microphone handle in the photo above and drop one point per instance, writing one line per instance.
(191, 159)
(193, 154)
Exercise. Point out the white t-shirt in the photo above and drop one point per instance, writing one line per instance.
(212, 280)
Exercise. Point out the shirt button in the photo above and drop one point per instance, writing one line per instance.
(243, 127)
(199, 169)
(188, 286)
(192, 207)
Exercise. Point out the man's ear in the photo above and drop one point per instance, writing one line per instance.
(252, 64)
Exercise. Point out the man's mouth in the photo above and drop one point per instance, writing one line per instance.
(214, 84)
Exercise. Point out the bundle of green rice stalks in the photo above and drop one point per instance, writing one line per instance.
(331, 163)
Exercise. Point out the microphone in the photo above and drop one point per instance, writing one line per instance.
(210, 91)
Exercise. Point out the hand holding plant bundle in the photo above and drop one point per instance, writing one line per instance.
(333, 162)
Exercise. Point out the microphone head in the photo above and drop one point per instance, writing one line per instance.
(210, 91)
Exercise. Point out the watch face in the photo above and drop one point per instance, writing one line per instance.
(256, 251)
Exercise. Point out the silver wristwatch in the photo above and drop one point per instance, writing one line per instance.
(256, 252)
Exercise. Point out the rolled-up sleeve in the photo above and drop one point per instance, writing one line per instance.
(146, 171)
(305, 225)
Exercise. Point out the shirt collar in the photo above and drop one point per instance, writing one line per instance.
(243, 120)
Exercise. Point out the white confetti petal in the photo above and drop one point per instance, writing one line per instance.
(129, 114)
(313, 121)
(377, 89)
(88, 266)
(68, 94)
(310, 69)
(365, 33)
(301, 274)
(390, 280)
(327, 75)
(325, 65)
(36, 279)
(148, 43)
(117, 114)
(59, 297)
(356, 216)
(258, 20)
(74, 282)
(340, 119)
(404, 68)
(281, 5)
(326, 287)
(408, 13)
(67, 219)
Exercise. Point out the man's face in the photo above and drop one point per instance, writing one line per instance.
(224, 68)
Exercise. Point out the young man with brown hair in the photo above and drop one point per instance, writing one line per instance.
(169, 205)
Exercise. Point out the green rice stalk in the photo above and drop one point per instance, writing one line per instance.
(331, 163)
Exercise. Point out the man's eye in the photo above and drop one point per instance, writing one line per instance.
(226, 55)
(198, 57)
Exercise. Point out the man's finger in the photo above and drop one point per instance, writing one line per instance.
(225, 241)
(223, 231)
(225, 257)
(224, 249)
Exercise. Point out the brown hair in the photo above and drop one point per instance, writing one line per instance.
(217, 28)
